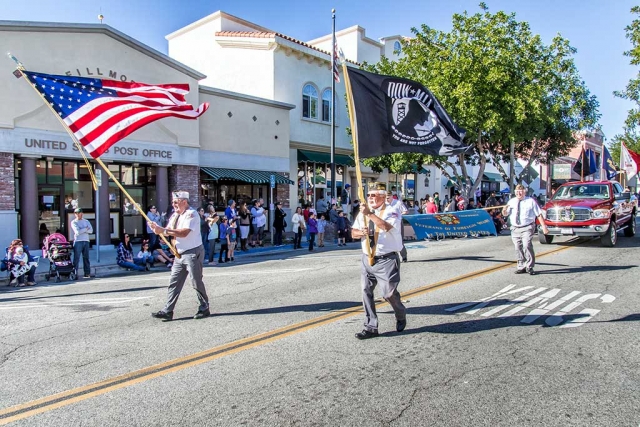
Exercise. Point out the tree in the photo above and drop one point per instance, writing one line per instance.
(501, 83)
(631, 133)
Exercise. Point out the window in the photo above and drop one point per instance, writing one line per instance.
(326, 105)
(397, 47)
(310, 102)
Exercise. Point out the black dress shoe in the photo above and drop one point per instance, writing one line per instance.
(404, 260)
(202, 314)
(531, 272)
(365, 334)
(163, 315)
(400, 325)
(521, 271)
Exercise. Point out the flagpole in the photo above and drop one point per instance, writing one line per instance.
(333, 107)
(21, 69)
(354, 135)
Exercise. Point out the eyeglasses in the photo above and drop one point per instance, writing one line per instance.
(153, 207)
(126, 237)
(175, 202)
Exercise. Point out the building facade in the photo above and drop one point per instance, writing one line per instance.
(235, 149)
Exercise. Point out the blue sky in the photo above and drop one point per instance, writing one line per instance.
(594, 27)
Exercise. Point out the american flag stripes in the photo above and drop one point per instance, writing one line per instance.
(102, 112)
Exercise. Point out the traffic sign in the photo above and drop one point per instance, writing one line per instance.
(273, 181)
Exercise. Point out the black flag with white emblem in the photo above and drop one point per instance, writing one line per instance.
(396, 115)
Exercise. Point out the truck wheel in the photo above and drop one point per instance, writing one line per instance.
(544, 238)
(610, 238)
(630, 231)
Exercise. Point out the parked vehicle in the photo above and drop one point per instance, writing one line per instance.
(590, 209)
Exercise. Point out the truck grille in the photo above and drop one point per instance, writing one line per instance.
(569, 215)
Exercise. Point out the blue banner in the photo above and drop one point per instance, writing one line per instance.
(475, 222)
(607, 163)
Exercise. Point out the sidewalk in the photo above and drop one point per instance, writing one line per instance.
(107, 264)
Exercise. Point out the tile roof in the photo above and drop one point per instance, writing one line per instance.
(266, 35)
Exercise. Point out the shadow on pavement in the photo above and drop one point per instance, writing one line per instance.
(47, 297)
(325, 306)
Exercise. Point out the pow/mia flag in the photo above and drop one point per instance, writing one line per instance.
(396, 115)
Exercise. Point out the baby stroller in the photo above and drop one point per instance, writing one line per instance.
(58, 250)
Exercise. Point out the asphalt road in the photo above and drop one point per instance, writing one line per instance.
(483, 346)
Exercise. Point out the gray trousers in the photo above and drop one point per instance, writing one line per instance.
(386, 273)
(190, 263)
(522, 238)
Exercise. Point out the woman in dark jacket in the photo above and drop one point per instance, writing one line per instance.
(279, 224)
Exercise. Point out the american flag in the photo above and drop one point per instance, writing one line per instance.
(336, 74)
(102, 112)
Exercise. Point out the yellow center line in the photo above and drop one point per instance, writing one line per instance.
(79, 394)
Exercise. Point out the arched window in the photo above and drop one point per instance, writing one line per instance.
(326, 105)
(397, 47)
(310, 102)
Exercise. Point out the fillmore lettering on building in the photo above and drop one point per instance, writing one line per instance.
(97, 73)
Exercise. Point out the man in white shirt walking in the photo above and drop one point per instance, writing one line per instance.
(523, 211)
(184, 226)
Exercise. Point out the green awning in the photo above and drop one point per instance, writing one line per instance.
(492, 176)
(452, 182)
(318, 157)
(254, 177)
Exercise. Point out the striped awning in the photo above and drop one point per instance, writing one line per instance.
(254, 177)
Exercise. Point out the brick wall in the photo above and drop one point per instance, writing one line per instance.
(7, 182)
(281, 193)
(186, 178)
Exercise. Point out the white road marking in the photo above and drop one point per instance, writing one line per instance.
(104, 301)
(512, 302)
(543, 302)
(534, 314)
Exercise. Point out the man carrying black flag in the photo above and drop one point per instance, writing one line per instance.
(396, 115)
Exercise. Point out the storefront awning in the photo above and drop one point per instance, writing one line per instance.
(254, 177)
(318, 157)
(492, 176)
(454, 181)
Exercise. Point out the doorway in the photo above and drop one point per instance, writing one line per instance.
(52, 211)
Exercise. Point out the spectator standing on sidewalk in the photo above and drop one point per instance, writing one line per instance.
(259, 221)
(213, 237)
(204, 231)
(297, 226)
(279, 224)
(341, 225)
(81, 230)
(345, 199)
(322, 223)
(154, 216)
(321, 206)
(245, 224)
(313, 229)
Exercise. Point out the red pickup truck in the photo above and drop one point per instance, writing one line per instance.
(590, 209)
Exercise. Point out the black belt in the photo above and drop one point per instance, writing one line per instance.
(385, 256)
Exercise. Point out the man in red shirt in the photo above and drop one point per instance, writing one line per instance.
(430, 206)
